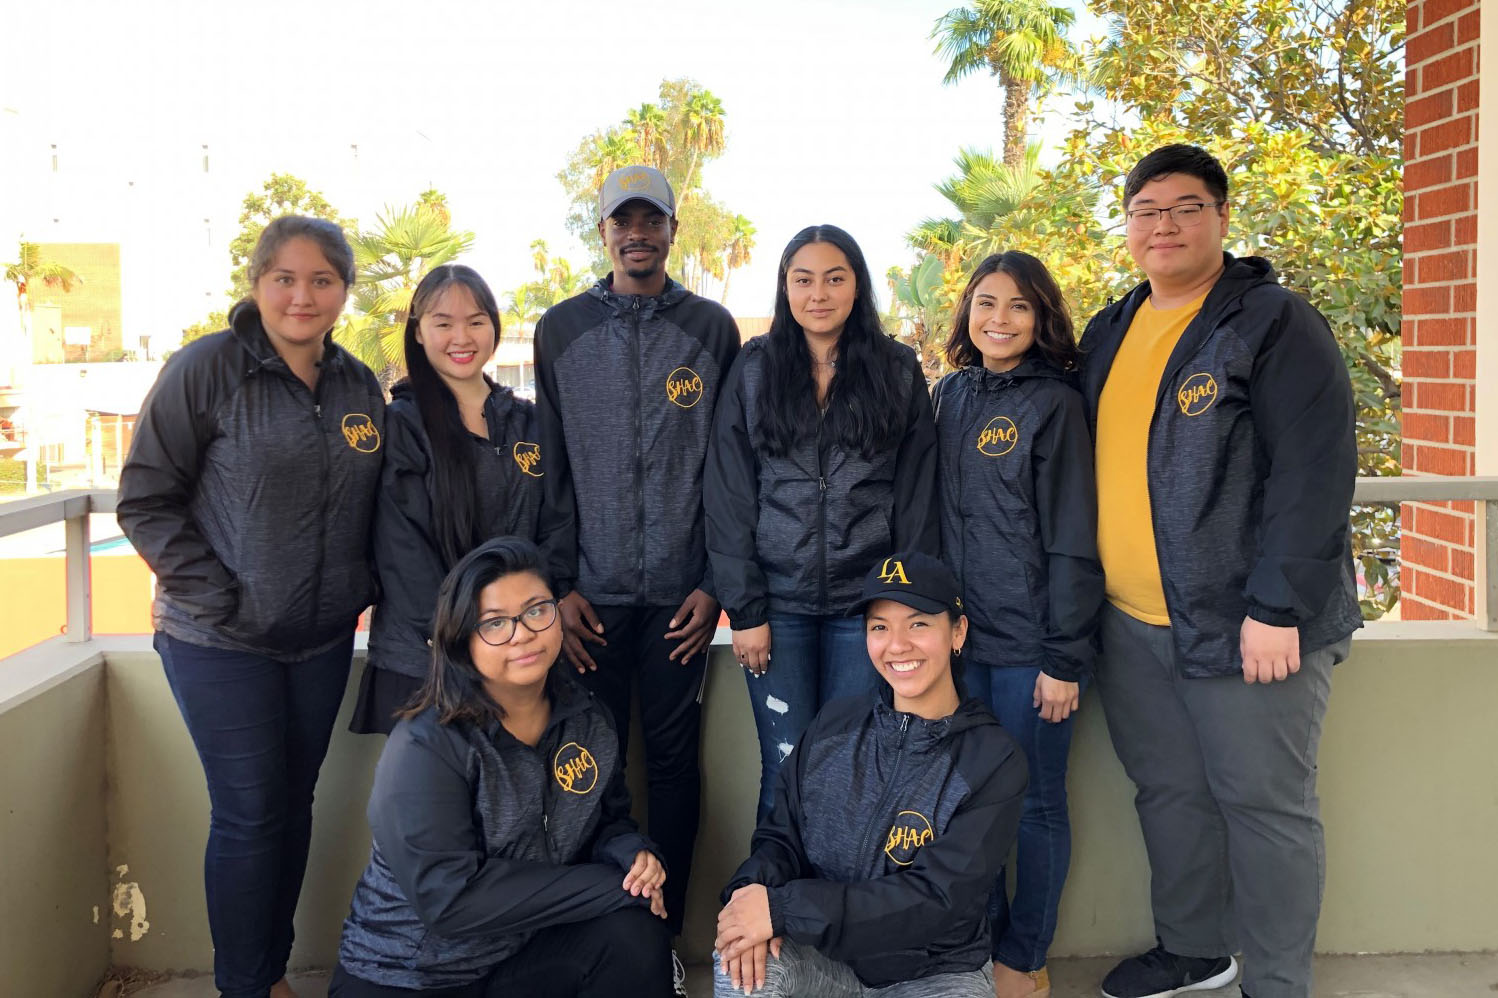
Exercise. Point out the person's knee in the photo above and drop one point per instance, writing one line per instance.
(632, 944)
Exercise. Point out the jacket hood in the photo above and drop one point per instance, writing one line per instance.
(1031, 366)
(924, 732)
(603, 290)
(244, 321)
(1239, 276)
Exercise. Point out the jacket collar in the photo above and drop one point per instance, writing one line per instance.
(249, 331)
(919, 732)
(604, 292)
(1031, 366)
(568, 699)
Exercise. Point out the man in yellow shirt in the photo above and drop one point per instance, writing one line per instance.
(1226, 458)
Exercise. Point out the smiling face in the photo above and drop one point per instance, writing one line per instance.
(1001, 322)
(300, 295)
(519, 666)
(1173, 257)
(912, 650)
(456, 335)
(820, 286)
(637, 238)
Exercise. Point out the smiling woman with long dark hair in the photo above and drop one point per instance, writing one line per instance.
(823, 455)
(504, 860)
(462, 464)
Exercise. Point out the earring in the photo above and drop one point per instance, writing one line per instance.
(956, 652)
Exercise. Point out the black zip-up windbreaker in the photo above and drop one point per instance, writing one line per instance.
(251, 496)
(626, 386)
(508, 469)
(885, 836)
(1251, 464)
(1019, 516)
(798, 532)
(480, 840)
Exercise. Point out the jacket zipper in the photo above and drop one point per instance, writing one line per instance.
(634, 342)
(821, 521)
(322, 509)
(871, 834)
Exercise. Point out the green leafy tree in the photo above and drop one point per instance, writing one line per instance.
(556, 280)
(678, 134)
(282, 194)
(1022, 42)
(1303, 106)
(212, 324)
(31, 268)
(739, 251)
(922, 301)
(391, 259)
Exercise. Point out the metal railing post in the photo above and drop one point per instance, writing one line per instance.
(80, 577)
(1485, 602)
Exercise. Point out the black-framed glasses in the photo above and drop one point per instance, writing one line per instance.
(499, 630)
(1184, 215)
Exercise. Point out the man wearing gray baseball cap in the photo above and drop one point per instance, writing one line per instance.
(627, 377)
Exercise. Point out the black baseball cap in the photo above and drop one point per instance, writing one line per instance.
(918, 580)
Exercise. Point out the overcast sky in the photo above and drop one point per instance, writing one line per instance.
(835, 112)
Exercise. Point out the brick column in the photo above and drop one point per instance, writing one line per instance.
(1440, 300)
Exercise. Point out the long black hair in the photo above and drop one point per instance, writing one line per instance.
(1054, 337)
(455, 501)
(863, 409)
(453, 683)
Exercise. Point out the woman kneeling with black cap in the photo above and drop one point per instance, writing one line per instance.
(890, 820)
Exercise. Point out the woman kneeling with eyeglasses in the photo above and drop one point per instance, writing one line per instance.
(891, 817)
(504, 860)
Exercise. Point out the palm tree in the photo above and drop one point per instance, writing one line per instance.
(31, 267)
(521, 310)
(702, 135)
(737, 252)
(611, 151)
(391, 260)
(982, 190)
(647, 126)
(1022, 42)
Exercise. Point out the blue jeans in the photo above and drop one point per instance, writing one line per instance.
(261, 728)
(812, 660)
(1023, 929)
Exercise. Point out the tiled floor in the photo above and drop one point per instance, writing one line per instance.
(1425, 976)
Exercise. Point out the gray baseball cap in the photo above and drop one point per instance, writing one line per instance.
(629, 183)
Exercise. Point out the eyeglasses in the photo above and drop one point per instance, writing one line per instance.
(499, 630)
(1184, 215)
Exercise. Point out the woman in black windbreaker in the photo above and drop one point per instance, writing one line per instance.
(1019, 527)
(891, 818)
(249, 490)
(462, 464)
(504, 861)
(823, 457)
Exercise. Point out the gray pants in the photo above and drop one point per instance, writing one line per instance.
(803, 972)
(1225, 774)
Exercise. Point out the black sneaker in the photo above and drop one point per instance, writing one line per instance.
(1160, 974)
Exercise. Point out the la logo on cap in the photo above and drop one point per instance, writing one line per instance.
(893, 571)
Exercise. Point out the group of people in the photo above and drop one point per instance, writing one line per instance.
(920, 584)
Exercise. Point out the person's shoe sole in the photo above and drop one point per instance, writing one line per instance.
(1207, 984)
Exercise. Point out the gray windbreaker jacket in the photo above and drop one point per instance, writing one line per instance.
(626, 386)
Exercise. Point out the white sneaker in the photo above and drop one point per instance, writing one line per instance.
(678, 976)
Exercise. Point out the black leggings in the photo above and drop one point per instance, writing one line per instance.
(624, 953)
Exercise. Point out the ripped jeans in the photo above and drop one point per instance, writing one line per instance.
(812, 660)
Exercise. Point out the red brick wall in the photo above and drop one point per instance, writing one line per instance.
(1440, 300)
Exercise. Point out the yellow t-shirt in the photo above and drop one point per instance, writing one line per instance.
(1125, 532)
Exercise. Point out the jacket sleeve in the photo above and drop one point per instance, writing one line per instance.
(421, 818)
(916, 522)
(177, 423)
(730, 500)
(407, 560)
(727, 354)
(556, 528)
(776, 856)
(1066, 507)
(954, 871)
(1301, 397)
(618, 839)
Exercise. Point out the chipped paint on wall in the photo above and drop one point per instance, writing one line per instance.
(129, 903)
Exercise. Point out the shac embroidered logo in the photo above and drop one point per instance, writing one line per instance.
(575, 769)
(998, 437)
(684, 387)
(1197, 394)
(360, 432)
(528, 456)
(910, 831)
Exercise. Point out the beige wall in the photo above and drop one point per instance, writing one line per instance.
(54, 893)
(1409, 788)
